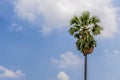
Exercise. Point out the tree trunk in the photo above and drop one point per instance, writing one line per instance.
(85, 68)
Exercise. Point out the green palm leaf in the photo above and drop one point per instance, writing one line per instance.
(83, 33)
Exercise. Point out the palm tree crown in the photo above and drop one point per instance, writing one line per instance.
(85, 28)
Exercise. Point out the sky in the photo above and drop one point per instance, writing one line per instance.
(35, 43)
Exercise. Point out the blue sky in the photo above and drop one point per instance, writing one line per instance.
(35, 43)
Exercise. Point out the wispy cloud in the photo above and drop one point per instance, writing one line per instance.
(114, 52)
(56, 14)
(68, 59)
(7, 73)
(15, 27)
(62, 76)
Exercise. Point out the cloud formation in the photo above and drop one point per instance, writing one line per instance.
(57, 13)
(7, 73)
(62, 76)
(68, 59)
(112, 53)
(15, 27)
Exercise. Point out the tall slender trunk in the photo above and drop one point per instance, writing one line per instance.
(85, 68)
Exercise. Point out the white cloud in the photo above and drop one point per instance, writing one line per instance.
(62, 76)
(57, 13)
(7, 73)
(112, 52)
(15, 27)
(68, 59)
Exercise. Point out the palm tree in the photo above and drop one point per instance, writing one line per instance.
(84, 28)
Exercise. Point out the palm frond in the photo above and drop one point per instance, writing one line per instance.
(74, 20)
(77, 35)
(84, 18)
(72, 30)
(94, 20)
(96, 29)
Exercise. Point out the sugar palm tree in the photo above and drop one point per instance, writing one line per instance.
(84, 28)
